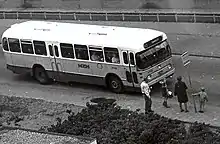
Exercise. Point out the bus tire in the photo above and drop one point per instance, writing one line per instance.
(115, 84)
(40, 75)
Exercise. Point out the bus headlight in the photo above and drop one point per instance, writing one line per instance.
(149, 77)
(159, 67)
(169, 66)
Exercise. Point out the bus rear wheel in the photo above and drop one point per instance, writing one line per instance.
(40, 75)
(115, 84)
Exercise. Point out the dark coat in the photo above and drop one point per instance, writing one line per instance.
(180, 92)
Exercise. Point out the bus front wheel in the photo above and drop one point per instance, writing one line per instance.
(40, 75)
(115, 84)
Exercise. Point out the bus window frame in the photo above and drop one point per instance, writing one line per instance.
(56, 50)
(77, 53)
(130, 52)
(73, 50)
(4, 38)
(152, 48)
(96, 49)
(124, 57)
(27, 40)
(46, 50)
(50, 48)
(118, 54)
(19, 45)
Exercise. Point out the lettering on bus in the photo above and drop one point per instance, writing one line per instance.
(83, 66)
(114, 68)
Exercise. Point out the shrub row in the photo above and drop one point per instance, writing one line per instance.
(110, 124)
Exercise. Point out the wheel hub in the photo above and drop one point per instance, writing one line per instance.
(114, 84)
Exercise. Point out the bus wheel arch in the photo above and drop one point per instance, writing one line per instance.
(40, 74)
(114, 83)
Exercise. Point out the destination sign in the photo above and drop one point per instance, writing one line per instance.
(153, 41)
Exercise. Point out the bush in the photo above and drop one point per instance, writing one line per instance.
(110, 124)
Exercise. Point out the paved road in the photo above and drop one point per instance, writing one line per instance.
(204, 71)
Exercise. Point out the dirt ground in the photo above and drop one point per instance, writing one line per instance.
(32, 113)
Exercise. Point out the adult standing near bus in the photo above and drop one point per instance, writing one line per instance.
(180, 92)
(145, 89)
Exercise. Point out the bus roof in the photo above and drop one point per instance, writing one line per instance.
(96, 35)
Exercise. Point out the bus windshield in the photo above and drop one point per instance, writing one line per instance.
(153, 55)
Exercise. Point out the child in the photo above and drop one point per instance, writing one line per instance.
(165, 93)
(202, 98)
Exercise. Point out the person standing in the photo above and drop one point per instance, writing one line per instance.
(180, 92)
(165, 93)
(203, 97)
(145, 89)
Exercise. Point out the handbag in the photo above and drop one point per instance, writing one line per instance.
(170, 94)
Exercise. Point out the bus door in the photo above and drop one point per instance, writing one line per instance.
(55, 61)
(130, 69)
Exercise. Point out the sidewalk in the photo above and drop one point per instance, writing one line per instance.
(210, 116)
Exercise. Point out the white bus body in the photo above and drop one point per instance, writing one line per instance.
(84, 53)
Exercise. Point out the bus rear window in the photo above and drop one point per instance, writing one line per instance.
(5, 44)
(14, 45)
(27, 47)
(40, 47)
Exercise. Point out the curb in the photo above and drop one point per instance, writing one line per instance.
(196, 55)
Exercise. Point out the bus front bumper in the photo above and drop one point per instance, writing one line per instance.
(160, 78)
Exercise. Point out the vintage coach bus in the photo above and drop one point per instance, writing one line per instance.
(116, 57)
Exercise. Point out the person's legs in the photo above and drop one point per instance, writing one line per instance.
(150, 105)
(165, 102)
(146, 105)
(181, 109)
(186, 109)
(202, 104)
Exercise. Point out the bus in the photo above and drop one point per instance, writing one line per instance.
(115, 57)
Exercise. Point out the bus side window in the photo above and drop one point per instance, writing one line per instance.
(51, 50)
(67, 50)
(14, 45)
(132, 58)
(125, 57)
(27, 47)
(96, 54)
(5, 44)
(81, 52)
(40, 47)
(56, 51)
(111, 55)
